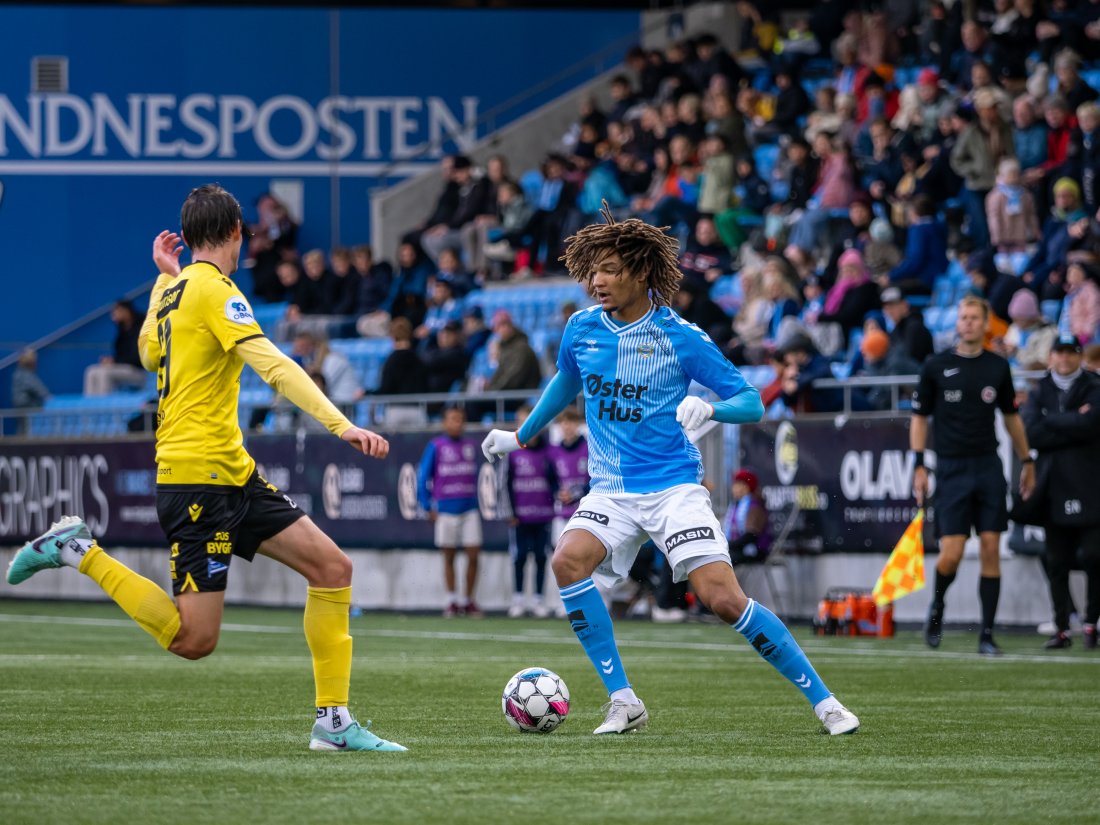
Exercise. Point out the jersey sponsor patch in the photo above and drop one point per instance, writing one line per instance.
(238, 311)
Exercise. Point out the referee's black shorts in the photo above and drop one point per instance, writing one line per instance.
(207, 526)
(970, 495)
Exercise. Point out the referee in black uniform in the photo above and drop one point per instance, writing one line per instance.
(962, 388)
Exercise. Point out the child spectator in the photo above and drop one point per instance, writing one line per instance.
(746, 522)
(1010, 210)
(1030, 336)
(1081, 307)
(881, 254)
(925, 257)
(570, 459)
(447, 487)
(532, 484)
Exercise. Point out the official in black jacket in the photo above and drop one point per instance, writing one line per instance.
(1062, 417)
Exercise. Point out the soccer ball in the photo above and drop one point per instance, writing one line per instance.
(535, 700)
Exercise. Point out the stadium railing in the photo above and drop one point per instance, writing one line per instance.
(896, 384)
(109, 417)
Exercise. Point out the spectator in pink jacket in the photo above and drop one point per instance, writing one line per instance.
(1082, 303)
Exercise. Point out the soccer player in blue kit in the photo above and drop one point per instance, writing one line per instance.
(634, 359)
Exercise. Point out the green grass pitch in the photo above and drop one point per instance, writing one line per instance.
(99, 725)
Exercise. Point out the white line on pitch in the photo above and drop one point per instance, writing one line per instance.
(819, 650)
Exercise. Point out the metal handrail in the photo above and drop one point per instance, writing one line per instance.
(71, 327)
(895, 383)
(367, 409)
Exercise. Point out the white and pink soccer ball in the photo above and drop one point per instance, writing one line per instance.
(535, 700)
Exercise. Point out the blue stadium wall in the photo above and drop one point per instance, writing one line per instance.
(161, 100)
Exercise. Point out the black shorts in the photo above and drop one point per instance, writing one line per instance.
(970, 494)
(208, 525)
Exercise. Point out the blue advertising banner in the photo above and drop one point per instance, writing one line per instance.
(358, 501)
(110, 115)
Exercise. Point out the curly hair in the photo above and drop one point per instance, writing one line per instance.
(647, 253)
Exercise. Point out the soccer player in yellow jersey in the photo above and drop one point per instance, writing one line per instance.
(212, 503)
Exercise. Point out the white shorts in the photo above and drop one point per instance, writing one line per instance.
(680, 521)
(458, 529)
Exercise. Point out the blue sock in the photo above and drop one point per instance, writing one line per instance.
(765, 632)
(592, 623)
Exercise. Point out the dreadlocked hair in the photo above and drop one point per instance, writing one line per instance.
(647, 253)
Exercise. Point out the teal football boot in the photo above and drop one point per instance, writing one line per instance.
(44, 552)
(354, 737)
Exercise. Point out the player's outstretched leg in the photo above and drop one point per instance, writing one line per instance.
(69, 543)
(303, 547)
(327, 634)
(717, 587)
(592, 623)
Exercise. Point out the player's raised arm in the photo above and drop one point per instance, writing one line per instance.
(289, 379)
(167, 248)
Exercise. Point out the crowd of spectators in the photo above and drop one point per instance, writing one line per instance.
(820, 176)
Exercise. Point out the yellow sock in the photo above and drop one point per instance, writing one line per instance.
(143, 600)
(326, 626)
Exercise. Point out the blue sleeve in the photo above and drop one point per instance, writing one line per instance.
(743, 408)
(567, 359)
(558, 395)
(424, 475)
(703, 362)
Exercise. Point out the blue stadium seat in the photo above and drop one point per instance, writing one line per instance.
(101, 415)
(943, 293)
(267, 315)
(726, 292)
(531, 184)
(766, 156)
(758, 376)
(947, 319)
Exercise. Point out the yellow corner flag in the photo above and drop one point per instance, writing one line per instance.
(904, 570)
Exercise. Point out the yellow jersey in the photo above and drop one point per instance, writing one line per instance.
(200, 319)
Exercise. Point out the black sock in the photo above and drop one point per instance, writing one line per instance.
(943, 581)
(989, 591)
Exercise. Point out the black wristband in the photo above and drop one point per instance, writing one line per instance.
(918, 458)
(1028, 460)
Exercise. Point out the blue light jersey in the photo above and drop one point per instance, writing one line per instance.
(634, 376)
